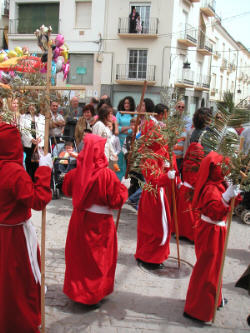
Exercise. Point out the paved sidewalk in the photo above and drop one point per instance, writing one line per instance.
(142, 302)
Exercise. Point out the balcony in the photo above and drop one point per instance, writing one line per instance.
(149, 28)
(205, 47)
(202, 83)
(28, 27)
(194, 0)
(185, 79)
(208, 7)
(135, 74)
(223, 65)
(188, 37)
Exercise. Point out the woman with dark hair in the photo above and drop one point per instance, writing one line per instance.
(132, 20)
(85, 122)
(32, 125)
(100, 128)
(201, 119)
(126, 104)
(148, 105)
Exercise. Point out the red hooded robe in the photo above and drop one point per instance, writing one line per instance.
(209, 238)
(91, 245)
(19, 292)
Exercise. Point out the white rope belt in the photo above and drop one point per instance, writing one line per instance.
(207, 219)
(164, 219)
(187, 185)
(31, 243)
(99, 209)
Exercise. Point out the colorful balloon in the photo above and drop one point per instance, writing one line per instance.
(19, 51)
(12, 54)
(59, 65)
(59, 41)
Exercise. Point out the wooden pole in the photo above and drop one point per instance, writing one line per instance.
(46, 143)
(140, 114)
(229, 220)
(175, 216)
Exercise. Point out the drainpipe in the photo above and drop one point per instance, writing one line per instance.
(163, 64)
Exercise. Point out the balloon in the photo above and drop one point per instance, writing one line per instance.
(59, 41)
(56, 53)
(65, 70)
(19, 51)
(59, 65)
(12, 54)
(3, 57)
(64, 52)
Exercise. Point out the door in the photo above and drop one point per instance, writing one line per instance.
(137, 68)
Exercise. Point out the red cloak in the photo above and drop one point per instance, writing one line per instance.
(19, 292)
(209, 239)
(91, 245)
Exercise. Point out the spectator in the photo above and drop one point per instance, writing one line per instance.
(162, 112)
(106, 101)
(84, 122)
(57, 121)
(115, 142)
(32, 125)
(75, 112)
(94, 102)
(180, 108)
(132, 20)
(14, 108)
(138, 25)
(100, 128)
(126, 104)
(246, 135)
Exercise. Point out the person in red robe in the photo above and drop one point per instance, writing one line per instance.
(154, 219)
(211, 199)
(186, 215)
(19, 254)
(91, 245)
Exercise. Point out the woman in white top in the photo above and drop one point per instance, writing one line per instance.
(100, 128)
(32, 125)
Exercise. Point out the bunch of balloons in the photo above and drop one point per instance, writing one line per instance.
(60, 51)
(17, 52)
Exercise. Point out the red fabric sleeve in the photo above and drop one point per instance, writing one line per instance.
(112, 192)
(211, 203)
(67, 186)
(33, 195)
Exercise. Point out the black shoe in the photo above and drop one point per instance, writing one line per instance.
(224, 301)
(248, 320)
(149, 265)
(193, 318)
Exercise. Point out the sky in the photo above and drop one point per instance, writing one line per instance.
(238, 27)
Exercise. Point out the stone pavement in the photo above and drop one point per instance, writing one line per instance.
(142, 302)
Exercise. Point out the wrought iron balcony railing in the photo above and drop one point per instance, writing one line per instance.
(204, 42)
(189, 33)
(186, 77)
(149, 27)
(135, 72)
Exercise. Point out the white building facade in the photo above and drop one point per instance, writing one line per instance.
(230, 67)
(80, 22)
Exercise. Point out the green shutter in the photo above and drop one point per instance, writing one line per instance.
(32, 16)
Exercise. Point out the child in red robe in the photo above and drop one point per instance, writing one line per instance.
(91, 246)
(211, 198)
(20, 276)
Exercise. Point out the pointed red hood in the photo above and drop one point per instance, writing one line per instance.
(90, 162)
(11, 149)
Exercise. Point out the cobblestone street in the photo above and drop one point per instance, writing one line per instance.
(141, 302)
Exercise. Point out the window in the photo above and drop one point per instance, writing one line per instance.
(32, 16)
(137, 64)
(81, 69)
(144, 12)
(83, 14)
